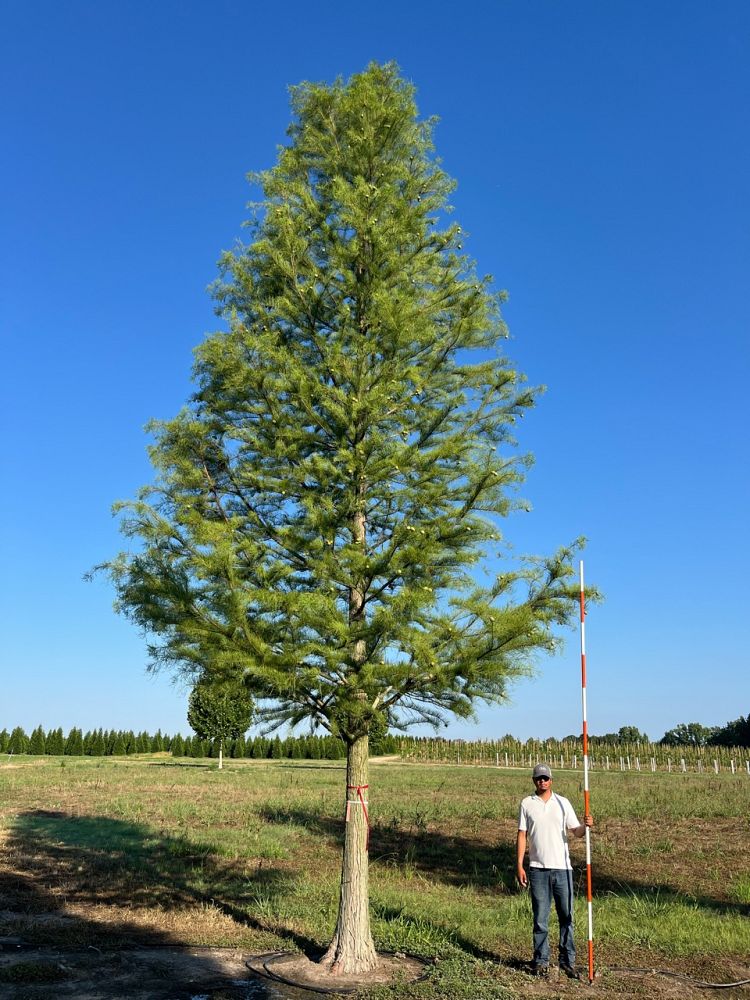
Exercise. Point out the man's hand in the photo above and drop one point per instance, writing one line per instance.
(588, 821)
(521, 876)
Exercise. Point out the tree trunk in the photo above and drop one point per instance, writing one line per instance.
(352, 948)
(221, 754)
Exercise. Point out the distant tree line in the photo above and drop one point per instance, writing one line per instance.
(119, 743)
(686, 734)
(735, 733)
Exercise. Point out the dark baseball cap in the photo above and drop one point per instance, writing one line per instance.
(541, 771)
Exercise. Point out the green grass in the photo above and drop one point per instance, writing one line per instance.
(248, 857)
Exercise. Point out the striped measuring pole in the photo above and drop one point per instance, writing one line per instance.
(586, 797)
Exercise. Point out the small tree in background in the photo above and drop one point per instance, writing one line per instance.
(74, 743)
(55, 742)
(19, 741)
(219, 711)
(346, 460)
(38, 742)
(631, 734)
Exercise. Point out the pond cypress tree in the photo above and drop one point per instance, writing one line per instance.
(345, 460)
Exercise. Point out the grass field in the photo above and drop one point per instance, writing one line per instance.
(103, 853)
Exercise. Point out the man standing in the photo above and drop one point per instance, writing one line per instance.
(543, 822)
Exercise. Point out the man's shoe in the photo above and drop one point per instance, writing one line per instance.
(541, 970)
(570, 971)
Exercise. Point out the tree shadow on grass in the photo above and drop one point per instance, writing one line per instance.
(72, 883)
(448, 936)
(453, 860)
(461, 861)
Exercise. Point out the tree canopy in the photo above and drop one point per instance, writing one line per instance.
(625, 734)
(349, 448)
(220, 710)
(733, 734)
(689, 734)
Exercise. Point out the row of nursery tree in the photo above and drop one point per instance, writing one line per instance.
(116, 743)
(568, 752)
(687, 734)
(629, 742)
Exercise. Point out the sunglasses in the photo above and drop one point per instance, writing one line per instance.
(542, 777)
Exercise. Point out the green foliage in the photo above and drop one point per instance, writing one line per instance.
(55, 743)
(631, 734)
(74, 743)
(219, 710)
(733, 734)
(348, 452)
(625, 734)
(18, 742)
(37, 742)
(378, 732)
(691, 734)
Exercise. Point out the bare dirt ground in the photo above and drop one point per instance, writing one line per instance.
(29, 972)
(135, 974)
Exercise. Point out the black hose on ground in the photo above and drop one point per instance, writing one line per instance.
(678, 975)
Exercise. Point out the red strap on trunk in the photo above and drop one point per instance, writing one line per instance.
(359, 789)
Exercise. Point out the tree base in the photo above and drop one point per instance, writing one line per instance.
(297, 970)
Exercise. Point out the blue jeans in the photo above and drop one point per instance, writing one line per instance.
(547, 884)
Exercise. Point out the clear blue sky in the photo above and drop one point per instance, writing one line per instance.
(602, 155)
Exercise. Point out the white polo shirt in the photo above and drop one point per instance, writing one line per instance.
(546, 825)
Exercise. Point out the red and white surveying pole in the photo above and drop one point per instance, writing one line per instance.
(586, 803)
